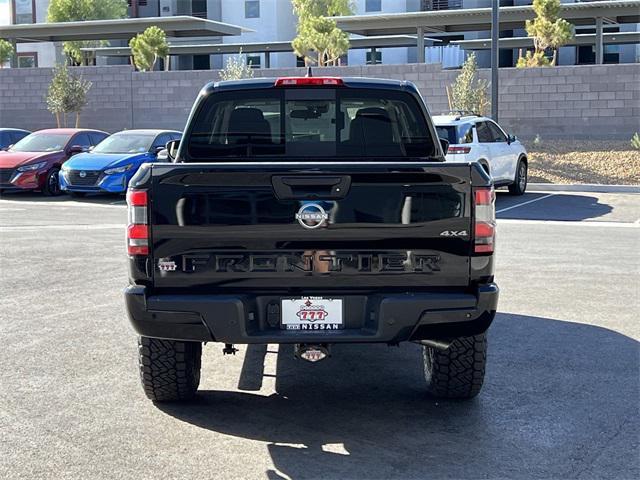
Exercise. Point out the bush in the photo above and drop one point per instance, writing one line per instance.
(67, 93)
(236, 68)
(635, 141)
(468, 93)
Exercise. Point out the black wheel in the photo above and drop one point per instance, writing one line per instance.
(458, 371)
(78, 194)
(169, 369)
(519, 184)
(52, 183)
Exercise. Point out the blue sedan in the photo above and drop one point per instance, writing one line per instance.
(111, 164)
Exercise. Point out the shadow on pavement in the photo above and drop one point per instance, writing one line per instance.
(560, 400)
(562, 207)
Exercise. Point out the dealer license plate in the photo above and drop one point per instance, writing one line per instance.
(312, 313)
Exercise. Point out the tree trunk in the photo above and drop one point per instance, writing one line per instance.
(58, 119)
(64, 119)
(77, 119)
(555, 57)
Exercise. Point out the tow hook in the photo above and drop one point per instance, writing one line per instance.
(312, 353)
(229, 349)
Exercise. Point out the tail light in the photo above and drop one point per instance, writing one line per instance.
(308, 81)
(459, 149)
(484, 220)
(137, 224)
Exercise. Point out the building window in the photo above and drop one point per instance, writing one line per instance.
(253, 61)
(252, 9)
(24, 11)
(373, 6)
(27, 59)
(374, 57)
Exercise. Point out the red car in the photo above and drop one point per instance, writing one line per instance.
(34, 162)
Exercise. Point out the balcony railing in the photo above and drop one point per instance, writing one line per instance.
(441, 4)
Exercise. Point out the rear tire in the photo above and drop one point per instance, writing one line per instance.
(52, 183)
(519, 185)
(169, 369)
(458, 371)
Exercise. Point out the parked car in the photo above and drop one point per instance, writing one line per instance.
(473, 138)
(34, 162)
(9, 136)
(310, 211)
(112, 163)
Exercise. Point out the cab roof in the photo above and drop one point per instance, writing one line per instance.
(270, 82)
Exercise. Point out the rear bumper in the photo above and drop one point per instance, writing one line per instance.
(377, 318)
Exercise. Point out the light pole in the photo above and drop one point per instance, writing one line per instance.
(495, 34)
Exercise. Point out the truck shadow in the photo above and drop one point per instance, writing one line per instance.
(558, 397)
(560, 207)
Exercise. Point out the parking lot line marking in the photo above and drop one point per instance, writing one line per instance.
(65, 204)
(574, 223)
(104, 226)
(525, 203)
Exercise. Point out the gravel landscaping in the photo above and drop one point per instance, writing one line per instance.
(583, 161)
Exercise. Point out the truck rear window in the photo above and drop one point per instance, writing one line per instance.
(308, 122)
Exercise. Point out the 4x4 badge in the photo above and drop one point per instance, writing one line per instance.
(454, 233)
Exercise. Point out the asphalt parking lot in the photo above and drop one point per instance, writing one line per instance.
(561, 398)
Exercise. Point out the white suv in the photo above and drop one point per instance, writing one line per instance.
(473, 138)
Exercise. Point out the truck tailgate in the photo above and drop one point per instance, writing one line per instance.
(310, 226)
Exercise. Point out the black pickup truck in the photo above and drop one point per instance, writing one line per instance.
(310, 211)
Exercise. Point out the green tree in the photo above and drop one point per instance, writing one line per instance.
(236, 68)
(147, 47)
(548, 31)
(78, 10)
(469, 93)
(67, 93)
(319, 41)
(6, 52)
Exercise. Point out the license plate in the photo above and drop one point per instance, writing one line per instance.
(312, 313)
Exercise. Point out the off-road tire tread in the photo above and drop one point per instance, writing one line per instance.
(458, 371)
(169, 369)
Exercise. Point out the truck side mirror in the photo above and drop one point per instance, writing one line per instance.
(172, 149)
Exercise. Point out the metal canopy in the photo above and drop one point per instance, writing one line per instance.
(260, 47)
(178, 26)
(476, 19)
(617, 38)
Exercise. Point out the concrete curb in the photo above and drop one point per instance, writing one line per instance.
(584, 187)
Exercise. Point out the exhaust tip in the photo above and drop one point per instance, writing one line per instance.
(312, 353)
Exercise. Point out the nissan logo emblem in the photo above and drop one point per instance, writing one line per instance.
(311, 215)
(82, 174)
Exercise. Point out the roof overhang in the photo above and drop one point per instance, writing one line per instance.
(126, 28)
(617, 38)
(477, 19)
(260, 47)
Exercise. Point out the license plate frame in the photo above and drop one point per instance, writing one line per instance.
(312, 314)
